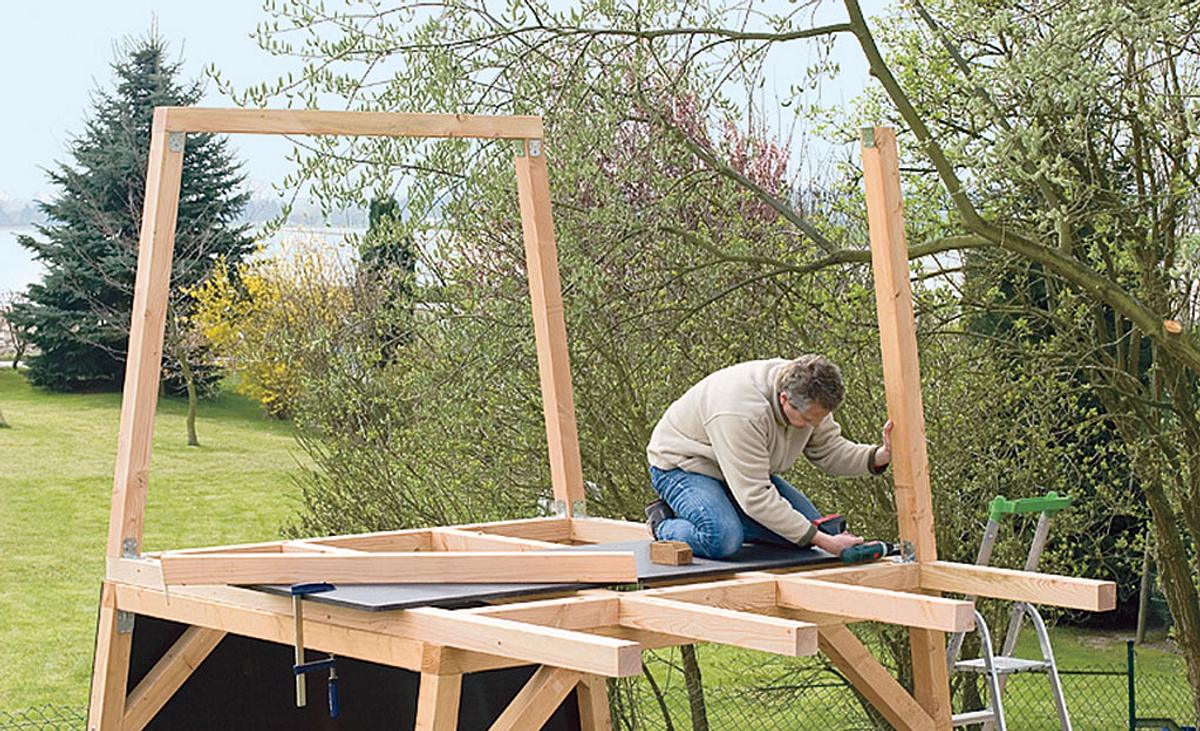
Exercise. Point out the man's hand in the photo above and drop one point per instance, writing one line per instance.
(835, 544)
(883, 455)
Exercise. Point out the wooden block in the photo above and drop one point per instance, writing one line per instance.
(671, 553)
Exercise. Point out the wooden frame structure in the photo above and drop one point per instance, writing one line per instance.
(577, 640)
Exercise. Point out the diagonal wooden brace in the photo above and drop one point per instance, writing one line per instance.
(168, 675)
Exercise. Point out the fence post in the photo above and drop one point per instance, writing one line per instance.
(1129, 680)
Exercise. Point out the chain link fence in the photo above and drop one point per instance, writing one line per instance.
(763, 692)
(50, 717)
(747, 690)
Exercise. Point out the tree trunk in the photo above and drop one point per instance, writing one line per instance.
(189, 380)
(658, 698)
(695, 688)
(1143, 593)
(18, 353)
(3, 423)
(1178, 585)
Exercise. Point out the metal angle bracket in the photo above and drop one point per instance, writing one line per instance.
(124, 622)
(175, 141)
(868, 136)
(129, 548)
(535, 147)
(578, 508)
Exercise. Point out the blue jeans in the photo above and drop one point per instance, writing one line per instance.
(707, 517)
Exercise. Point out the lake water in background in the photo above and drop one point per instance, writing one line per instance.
(18, 268)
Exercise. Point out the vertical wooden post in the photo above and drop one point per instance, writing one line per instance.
(902, 382)
(110, 669)
(549, 327)
(438, 702)
(144, 362)
(594, 712)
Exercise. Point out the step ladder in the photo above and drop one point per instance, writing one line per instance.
(997, 667)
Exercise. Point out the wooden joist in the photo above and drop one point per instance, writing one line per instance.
(756, 592)
(879, 605)
(401, 567)
(605, 530)
(1022, 586)
(575, 612)
(455, 539)
(552, 529)
(714, 624)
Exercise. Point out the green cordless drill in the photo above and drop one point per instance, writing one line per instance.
(870, 551)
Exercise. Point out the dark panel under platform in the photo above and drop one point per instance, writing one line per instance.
(248, 684)
(378, 597)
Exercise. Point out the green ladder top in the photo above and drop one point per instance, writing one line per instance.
(1049, 503)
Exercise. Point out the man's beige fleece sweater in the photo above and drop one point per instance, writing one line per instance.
(731, 427)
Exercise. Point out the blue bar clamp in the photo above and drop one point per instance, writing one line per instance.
(301, 668)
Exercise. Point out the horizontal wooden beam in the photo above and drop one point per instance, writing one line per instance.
(715, 624)
(605, 530)
(752, 593)
(377, 124)
(554, 529)
(419, 539)
(396, 638)
(307, 547)
(575, 612)
(455, 539)
(881, 575)
(261, 547)
(401, 568)
(1021, 586)
(268, 617)
(879, 605)
(534, 643)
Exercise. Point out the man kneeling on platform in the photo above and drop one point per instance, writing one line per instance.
(716, 454)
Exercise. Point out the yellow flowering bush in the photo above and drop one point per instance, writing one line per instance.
(263, 316)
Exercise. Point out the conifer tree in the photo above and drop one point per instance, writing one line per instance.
(78, 315)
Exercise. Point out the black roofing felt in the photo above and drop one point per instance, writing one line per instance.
(379, 597)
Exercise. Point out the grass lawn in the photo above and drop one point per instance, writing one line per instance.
(56, 467)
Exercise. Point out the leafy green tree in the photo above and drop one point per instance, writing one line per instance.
(78, 315)
(686, 242)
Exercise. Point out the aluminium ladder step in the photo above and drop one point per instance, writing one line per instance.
(970, 717)
(1004, 665)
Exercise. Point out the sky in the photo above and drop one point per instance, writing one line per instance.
(55, 53)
